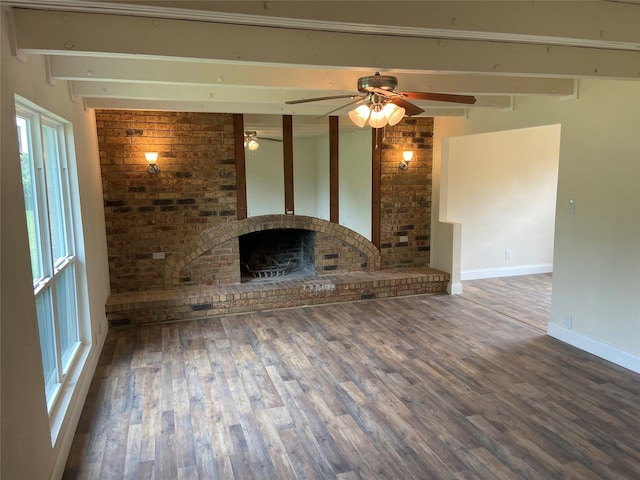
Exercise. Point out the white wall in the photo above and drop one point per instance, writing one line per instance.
(265, 179)
(26, 442)
(355, 181)
(305, 182)
(501, 187)
(596, 261)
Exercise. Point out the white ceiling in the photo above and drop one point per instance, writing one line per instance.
(251, 57)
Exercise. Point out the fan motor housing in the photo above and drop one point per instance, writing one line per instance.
(384, 82)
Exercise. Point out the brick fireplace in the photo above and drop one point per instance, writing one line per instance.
(214, 258)
(177, 250)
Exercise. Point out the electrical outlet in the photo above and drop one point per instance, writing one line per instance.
(507, 254)
(568, 321)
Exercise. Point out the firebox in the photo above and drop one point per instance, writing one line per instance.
(273, 254)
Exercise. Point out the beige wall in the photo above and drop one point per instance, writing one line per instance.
(26, 442)
(501, 187)
(596, 277)
(355, 181)
(265, 179)
(305, 183)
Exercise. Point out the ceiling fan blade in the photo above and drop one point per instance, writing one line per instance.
(317, 99)
(398, 99)
(277, 140)
(409, 108)
(359, 99)
(440, 97)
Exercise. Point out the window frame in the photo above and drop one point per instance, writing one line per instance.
(54, 273)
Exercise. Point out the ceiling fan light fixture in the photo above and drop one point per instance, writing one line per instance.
(377, 119)
(393, 113)
(360, 115)
(377, 114)
(379, 91)
(250, 141)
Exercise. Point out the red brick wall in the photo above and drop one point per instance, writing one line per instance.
(217, 266)
(406, 194)
(334, 256)
(147, 213)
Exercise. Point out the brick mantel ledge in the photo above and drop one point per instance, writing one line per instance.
(216, 236)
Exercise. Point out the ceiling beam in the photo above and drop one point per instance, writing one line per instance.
(147, 71)
(234, 94)
(220, 107)
(597, 24)
(50, 32)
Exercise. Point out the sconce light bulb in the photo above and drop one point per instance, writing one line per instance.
(407, 155)
(152, 157)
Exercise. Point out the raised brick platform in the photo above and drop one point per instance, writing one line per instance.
(196, 302)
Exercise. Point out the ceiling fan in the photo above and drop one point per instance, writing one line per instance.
(251, 140)
(381, 103)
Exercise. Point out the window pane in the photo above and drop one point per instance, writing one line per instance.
(47, 340)
(43, 157)
(54, 194)
(65, 287)
(29, 190)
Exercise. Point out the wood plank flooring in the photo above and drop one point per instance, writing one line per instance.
(524, 297)
(423, 387)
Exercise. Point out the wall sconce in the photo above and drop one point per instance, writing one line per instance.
(407, 156)
(152, 158)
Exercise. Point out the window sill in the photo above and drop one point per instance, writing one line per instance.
(67, 393)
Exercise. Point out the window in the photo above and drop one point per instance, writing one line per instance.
(45, 180)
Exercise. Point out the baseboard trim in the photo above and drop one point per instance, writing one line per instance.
(454, 288)
(595, 347)
(505, 272)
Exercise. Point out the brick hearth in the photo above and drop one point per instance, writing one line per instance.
(197, 302)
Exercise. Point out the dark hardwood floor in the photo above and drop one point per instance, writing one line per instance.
(423, 387)
(526, 298)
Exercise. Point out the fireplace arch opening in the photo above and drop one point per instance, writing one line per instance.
(277, 254)
(337, 250)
